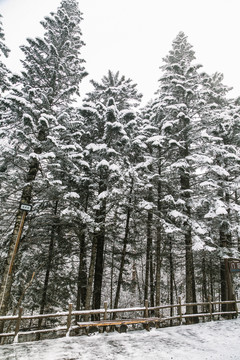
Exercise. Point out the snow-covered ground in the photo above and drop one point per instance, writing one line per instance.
(213, 340)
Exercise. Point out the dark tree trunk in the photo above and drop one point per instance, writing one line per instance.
(171, 276)
(82, 273)
(225, 275)
(112, 273)
(204, 279)
(100, 240)
(124, 249)
(91, 275)
(148, 254)
(82, 270)
(152, 288)
(190, 277)
(48, 268)
(158, 240)
(98, 275)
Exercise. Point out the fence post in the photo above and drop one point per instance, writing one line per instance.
(69, 318)
(105, 308)
(146, 309)
(235, 304)
(210, 307)
(20, 311)
(180, 309)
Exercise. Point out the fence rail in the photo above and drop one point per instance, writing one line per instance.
(181, 313)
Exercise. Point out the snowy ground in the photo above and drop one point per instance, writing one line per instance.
(213, 340)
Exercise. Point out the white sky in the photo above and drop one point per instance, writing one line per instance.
(133, 36)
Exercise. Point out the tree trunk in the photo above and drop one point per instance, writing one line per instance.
(148, 254)
(91, 275)
(82, 273)
(226, 280)
(171, 276)
(112, 273)
(125, 241)
(211, 279)
(152, 287)
(100, 240)
(185, 195)
(82, 270)
(158, 241)
(204, 280)
(98, 275)
(48, 269)
(190, 278)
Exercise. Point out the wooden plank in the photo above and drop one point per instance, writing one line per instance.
(117, 322)
(102, 311)
(7, 334)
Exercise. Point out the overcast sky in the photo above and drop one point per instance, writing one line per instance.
(133, 36)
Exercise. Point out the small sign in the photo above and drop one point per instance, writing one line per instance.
(26, 207)
(235, 266)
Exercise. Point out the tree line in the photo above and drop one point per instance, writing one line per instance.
(130, 202)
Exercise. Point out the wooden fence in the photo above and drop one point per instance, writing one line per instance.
(159, 314)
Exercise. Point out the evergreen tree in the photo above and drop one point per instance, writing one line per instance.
(52, 72)
(179, 99)
(4, 51)
(122, 90)
(219, 176)
(107, 137)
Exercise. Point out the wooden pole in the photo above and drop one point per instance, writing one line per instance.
(18, 324)
(210, 307)
(4, 289)
(105, 308)
(230, 295)
(146, 309)
(17, 241)
(180, 310)
(235, 304)
(69, 318)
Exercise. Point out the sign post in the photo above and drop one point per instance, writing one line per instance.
(234, 265)
(25, 208)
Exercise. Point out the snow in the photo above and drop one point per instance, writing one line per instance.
(72, 195)
(103, 163)
(96, 147)
(177, 214)
(115, 168)
(103, 195)
(156, 140)
(216, 340)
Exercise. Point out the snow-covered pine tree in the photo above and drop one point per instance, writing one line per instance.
(102, 154)
(179, 100)
(4, 85)
(5, 157)
(156, 186)
(53, 70)
(116, 86)
(4, 51)
(108, 136)
(219, 177)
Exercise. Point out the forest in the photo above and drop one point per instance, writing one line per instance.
(129, 202)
